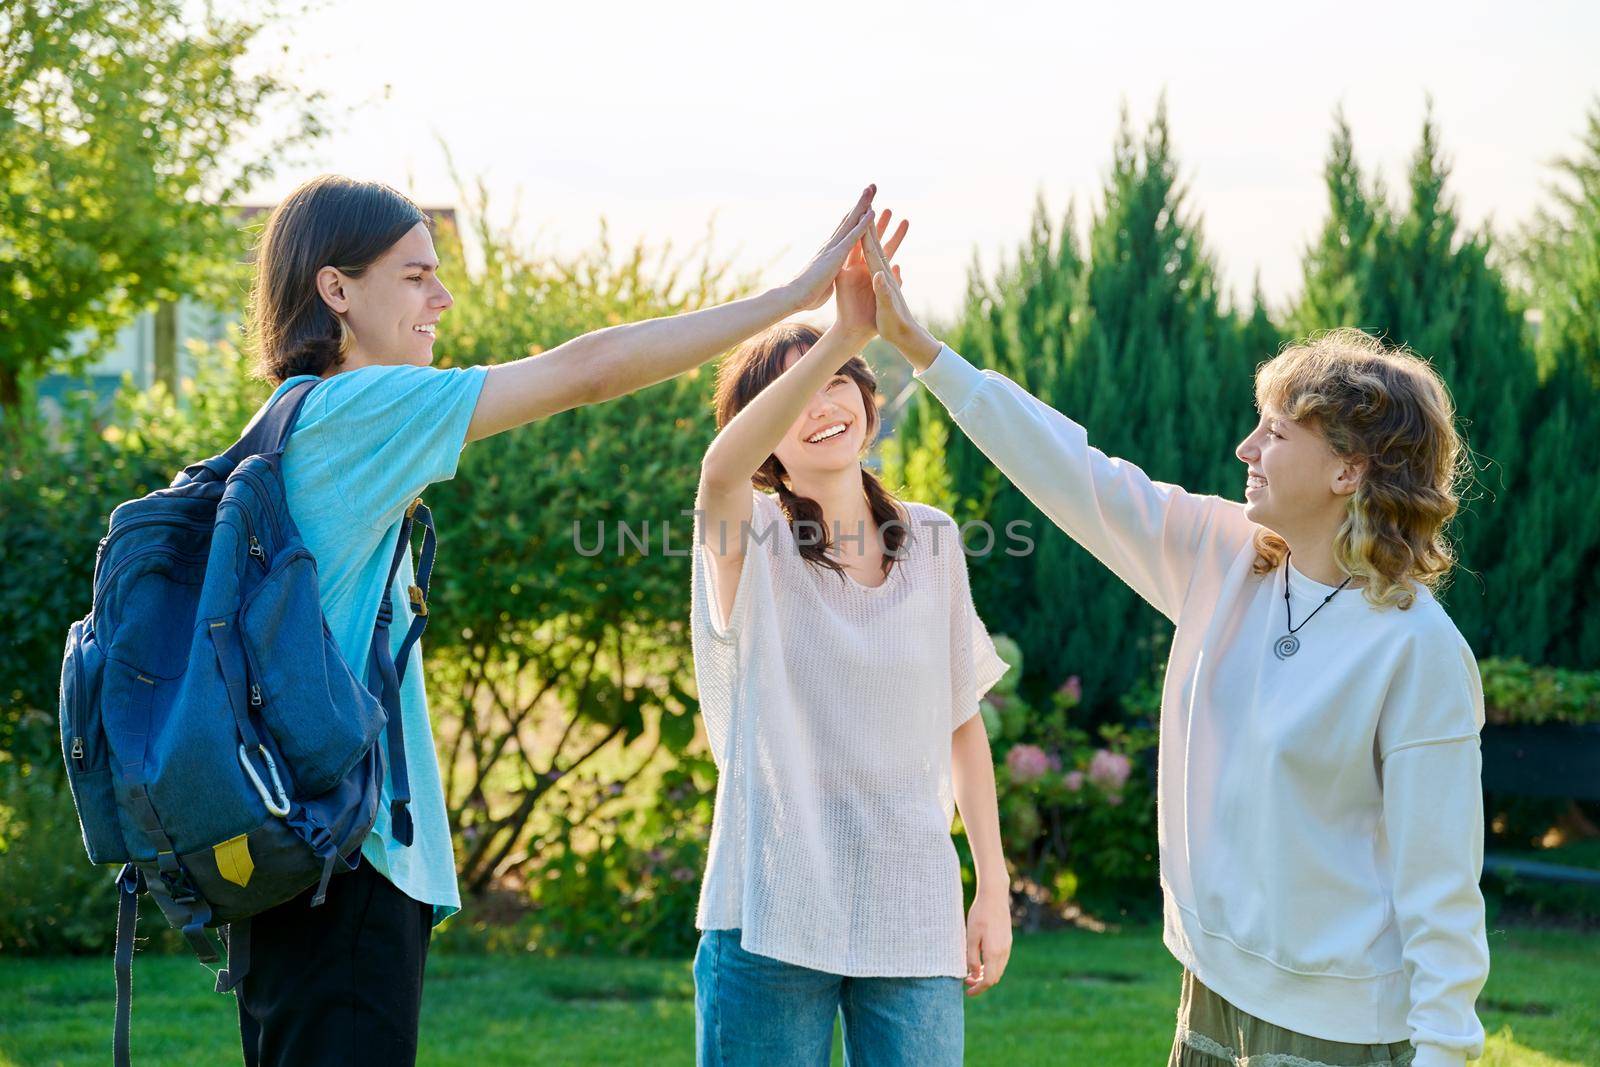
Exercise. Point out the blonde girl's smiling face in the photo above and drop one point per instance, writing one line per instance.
(1293, 479)
(831, 431)
(392, 308)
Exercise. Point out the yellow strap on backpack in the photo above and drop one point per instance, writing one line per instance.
(233, 860)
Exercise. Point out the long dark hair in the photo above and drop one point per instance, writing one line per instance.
(329, 221)
(755, 365)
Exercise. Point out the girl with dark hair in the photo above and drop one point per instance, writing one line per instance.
(1320, 810)
(348, 291)
(840, 663)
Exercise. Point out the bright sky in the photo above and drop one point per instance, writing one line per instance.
(769, 118)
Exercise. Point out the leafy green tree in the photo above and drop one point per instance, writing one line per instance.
(1258, 334)
(564, 663)
(1437, 291)
(121, 122)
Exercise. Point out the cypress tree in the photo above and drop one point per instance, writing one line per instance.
(1555, 540)
(1261, 337)
(1337, 268)
(1417, 279)
(1132, 340)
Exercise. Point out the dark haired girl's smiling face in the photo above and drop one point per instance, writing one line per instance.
(396, 304)
(830, 432)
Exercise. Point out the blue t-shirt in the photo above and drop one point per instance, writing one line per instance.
(367, 443)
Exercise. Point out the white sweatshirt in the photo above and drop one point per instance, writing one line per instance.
(1321, 816)
(829, 707)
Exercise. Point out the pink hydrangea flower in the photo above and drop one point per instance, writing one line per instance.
(1027, 763)
(1072, 689)
(1073, 781)
(1109, 770)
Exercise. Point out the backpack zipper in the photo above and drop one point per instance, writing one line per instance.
(257, 552)
(151, 520)
(80, 760)
(115, 535)
(153, 550)
(252, 670)
(255, 481)
(251, 673)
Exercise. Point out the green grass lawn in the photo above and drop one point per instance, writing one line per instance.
(1070, 997)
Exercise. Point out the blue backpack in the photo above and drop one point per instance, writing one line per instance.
(217, 744)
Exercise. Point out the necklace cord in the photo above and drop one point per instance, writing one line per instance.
(1288, 617)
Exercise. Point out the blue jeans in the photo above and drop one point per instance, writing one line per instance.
(751, 1010)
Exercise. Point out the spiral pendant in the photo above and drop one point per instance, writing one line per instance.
(1287, 646)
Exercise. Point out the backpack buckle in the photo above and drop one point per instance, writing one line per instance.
(419, 603)
(180, 890)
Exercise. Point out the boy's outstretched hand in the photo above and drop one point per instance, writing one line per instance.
(811, 289)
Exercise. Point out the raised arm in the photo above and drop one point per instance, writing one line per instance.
(755, 432)
(617, 360)
(1151, 534)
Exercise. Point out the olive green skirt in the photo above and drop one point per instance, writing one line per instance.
(1214, 1033)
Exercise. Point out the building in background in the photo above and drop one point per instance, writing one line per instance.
(155, 346)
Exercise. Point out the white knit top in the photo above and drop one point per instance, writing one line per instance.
(829, 708)
(1320, 816)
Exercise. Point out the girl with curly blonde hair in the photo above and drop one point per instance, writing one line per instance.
(1319, 808)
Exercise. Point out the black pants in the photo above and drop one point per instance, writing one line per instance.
(336, 984)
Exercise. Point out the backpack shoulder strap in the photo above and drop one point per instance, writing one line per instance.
(267, 434)
(389, 670)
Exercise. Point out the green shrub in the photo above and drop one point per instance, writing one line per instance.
(56, 900)
(1516, 694)
(627, 883)
(1077, 812)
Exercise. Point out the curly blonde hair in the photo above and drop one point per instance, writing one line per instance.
(1388, 409)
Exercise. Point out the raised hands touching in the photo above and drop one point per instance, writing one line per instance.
(852, 290)
(810, 289)
(856, 265)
